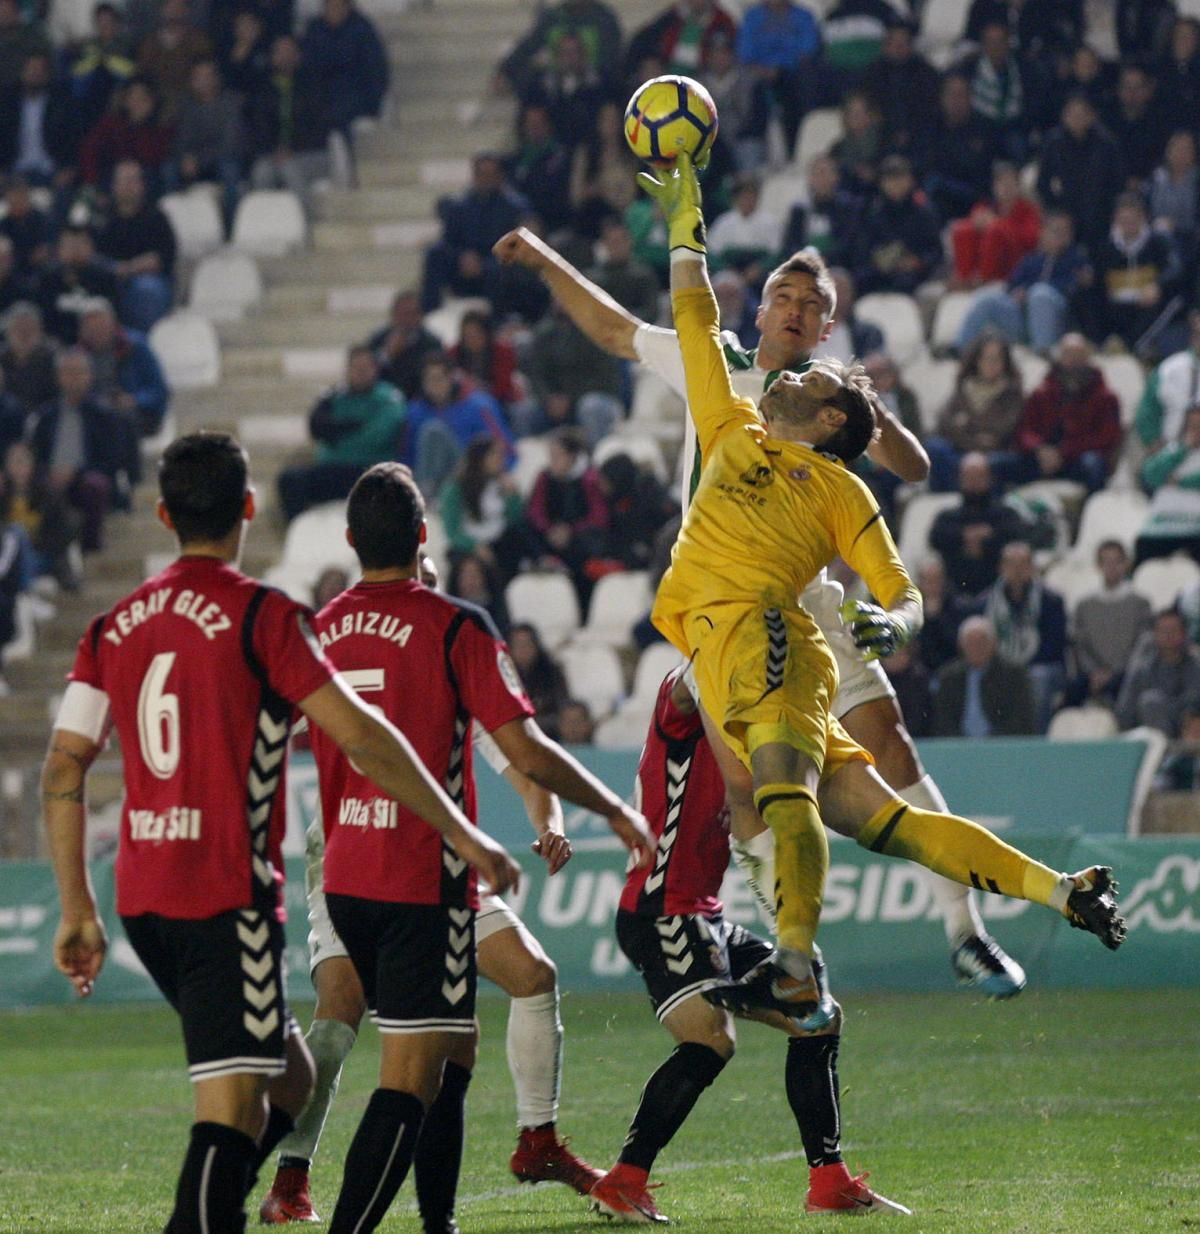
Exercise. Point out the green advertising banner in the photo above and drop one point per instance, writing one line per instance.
(879, 929)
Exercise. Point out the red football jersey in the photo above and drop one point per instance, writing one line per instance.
(202, 667)
(431, 664)
(682, 795)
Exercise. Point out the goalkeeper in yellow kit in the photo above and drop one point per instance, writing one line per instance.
(774, 505)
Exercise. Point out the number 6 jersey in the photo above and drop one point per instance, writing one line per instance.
(199, 670)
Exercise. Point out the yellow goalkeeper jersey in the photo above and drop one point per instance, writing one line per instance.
(767, 514)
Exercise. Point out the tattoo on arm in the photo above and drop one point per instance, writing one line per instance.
(83, 762)
(71, 794)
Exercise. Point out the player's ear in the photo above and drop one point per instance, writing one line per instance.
(424, 532)
(164, 515)
(249, 509)
(832, 416)
(827, 330)
(349, 537)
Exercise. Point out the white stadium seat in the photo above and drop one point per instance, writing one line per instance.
(224, 285)
(818, 131)
(533, 454)
(1073, 578)
(780, 193)
(594, 675)
(547, 602)
(942, 23)
(315, 541)
(618, 602)
(1161, 579)
(626, 728)
(196, 221)
(932, 381)
(899, 319)
(653, 665)
(1127, 379)
(1110, 515)
(1032, 368)
(917, 522)
(186, 346)
(642, 448)
(948, 317)
(1089, 723)
(269, 223)
(446, 322)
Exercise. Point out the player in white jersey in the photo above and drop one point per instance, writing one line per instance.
(796, 314)
(508, 955)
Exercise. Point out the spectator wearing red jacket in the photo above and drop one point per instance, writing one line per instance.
(133, 131)
(489, 361)
(567, 512)
(1070, 427)
(997, 233)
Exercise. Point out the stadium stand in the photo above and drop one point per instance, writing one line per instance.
(270, 314)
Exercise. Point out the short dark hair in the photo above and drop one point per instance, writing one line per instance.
(806, 261)
(857, 399)
(1107, 544)
(385, 513)
(203, 479)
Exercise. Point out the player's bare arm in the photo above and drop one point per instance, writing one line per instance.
(608, 325)
(545, 762)
(385, 757)
(544, 811)
(897, 449)
(79, 941)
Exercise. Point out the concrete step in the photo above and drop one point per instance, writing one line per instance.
(380, 205)
(329, 267)
(316, 330)
(434, 169)
(249, 395)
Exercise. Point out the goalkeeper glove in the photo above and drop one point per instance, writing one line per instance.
(678, 195)
(875, 631)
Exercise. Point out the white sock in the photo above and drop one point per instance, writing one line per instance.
(956, 902)
(534, 1043)
(330, 1041)
(755, 858)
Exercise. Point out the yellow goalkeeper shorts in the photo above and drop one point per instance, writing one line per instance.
(769, 669)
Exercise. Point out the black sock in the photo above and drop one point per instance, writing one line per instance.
(294, 1163)
(667, 1100)
(279, 1124)
(438, 1158)
(210, 1195)
(813, 1093)
(378, 1160)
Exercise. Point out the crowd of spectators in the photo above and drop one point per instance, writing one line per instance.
(155, 98)
(1047, 167)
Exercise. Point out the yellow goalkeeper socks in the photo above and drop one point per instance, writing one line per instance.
(961, 850)
(801, 861)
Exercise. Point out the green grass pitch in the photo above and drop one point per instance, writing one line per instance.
(1057, 1113)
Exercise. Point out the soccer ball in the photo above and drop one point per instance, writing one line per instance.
(668, 115)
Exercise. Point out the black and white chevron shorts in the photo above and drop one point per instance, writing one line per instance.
(225, 977)
(682, 955)
(416, 962)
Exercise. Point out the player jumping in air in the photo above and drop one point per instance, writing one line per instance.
(508, 955)
(670, 926)
(199, 669)
(797, 312)
(774, 505)
(401, 903)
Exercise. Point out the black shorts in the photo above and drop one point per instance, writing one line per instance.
(416, 962)
(682, 955)
(225, 977)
